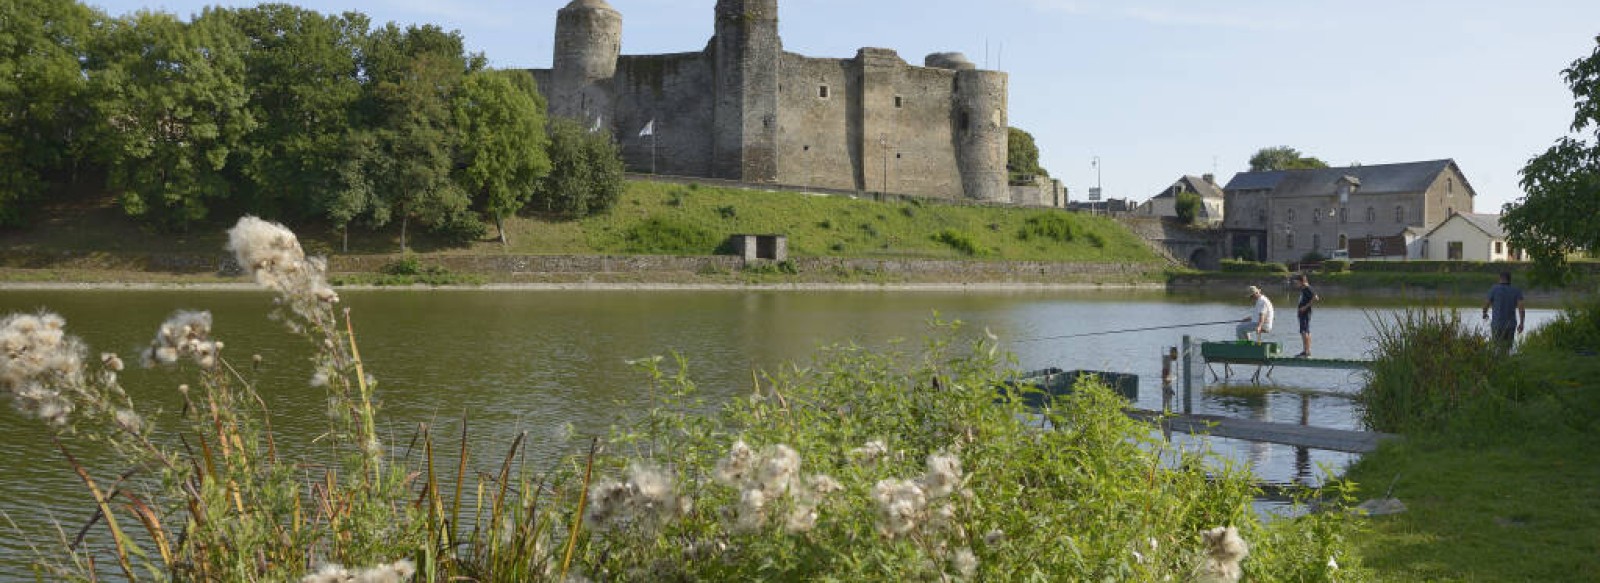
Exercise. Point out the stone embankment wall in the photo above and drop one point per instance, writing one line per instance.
(223, 263)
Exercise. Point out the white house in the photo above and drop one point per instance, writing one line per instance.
(1468, 237)
(1164, 204)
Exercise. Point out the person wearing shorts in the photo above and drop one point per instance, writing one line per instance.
(1307, 298)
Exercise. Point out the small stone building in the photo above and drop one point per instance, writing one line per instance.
(1165, 203)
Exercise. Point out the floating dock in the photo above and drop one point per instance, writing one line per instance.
(1265, 355)
(1267, 432)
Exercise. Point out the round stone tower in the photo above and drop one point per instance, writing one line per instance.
(588, 40)
(981, 133)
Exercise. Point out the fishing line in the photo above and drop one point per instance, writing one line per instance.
(1234, 321)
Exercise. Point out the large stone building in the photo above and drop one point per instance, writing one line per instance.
(1283, 215)
(744, 109)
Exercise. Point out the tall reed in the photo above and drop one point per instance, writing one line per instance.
(1426, 365)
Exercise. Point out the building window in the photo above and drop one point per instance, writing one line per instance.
(1288, 215)
(1288, 241)
(1344, 215)
(1261, 215)
(1372, 215)
(1344, 242)
(1316, 216)
(1450, 186)
(897, 102)
(1499, 247)
(1316, 242)
(1400, 214)
(1453, 250)
(822, 91)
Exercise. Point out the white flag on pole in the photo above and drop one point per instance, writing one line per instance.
(649, 129)
(596, 127)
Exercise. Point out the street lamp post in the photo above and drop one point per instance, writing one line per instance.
(1095, 196)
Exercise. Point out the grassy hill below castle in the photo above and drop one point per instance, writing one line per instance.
(661, 218)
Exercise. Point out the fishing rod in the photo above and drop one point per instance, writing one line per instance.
(1234, 321)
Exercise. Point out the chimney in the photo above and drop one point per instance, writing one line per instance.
(1210, 179)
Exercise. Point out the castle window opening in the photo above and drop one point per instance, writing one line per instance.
(897, 102)
(822, 91)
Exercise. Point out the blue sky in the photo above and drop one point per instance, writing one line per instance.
(1157, 88)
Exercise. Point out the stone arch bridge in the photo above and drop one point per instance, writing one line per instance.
(1196, 247)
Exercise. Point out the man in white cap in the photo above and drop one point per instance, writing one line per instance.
(1260, 319)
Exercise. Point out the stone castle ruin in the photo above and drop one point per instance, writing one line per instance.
(744, 109)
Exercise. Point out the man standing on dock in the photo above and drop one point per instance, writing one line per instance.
(1260, 319)
(1504, 326)
(1307, 297)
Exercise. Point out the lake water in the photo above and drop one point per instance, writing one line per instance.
(553, 363)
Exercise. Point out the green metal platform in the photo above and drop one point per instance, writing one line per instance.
(1265, 355)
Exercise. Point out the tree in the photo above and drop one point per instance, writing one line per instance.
(1556, 216)
(41, 96)
(171, 100)
(1283, 158)
(1022, 154)
(413, 76)
(503, 142)
(1188, 207)
(586, 171)
(302, 75)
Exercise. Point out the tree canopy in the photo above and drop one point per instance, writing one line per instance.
(1556, 216)
(276, 111)
(1283, 158)
(1022, 154)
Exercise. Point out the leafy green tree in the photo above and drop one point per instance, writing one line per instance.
(172, 105)
(302, 75)
(1022, 154)
(414, 75)
(1187, 205)
(586, 171)
(1283, 158)
(503, 142)
(1556, 217)
(41, 96)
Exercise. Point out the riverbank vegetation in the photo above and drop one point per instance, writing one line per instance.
(1500, 456)
(899, 464)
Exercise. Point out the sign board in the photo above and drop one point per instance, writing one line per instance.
(1094, 193)
(1376, 247)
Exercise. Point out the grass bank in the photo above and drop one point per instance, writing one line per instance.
(1499, 468)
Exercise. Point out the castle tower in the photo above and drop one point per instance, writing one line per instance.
(981, 134)
(588, 40)
(745, 54)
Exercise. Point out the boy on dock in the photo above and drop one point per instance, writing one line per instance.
(1307, 297)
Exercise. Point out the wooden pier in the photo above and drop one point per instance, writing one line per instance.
(1271, 363)
(1265, 431)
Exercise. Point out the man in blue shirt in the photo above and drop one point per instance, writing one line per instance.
(1307, 297)
(1505, 325)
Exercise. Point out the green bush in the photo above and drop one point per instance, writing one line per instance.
(958, 241)
(1427, 365)
(1576, 329)
(662, 235)
(1336, 266)
(1051, 227)
(1239, 266)
(586, 175)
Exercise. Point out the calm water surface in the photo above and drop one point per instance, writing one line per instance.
(553, 363)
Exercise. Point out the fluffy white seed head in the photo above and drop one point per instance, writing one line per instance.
(40, 366)
(273, 256)
(868, 455)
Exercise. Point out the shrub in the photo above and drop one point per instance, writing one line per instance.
(1096, 240)
(1336, 266)
(1051, 227)
(1427, 364)
(1238, 266)
(586, 175)
(662, 235)
(727, 211)
(958, 241)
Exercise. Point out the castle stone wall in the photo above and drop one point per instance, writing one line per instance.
(814, 148)
(670, 89)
